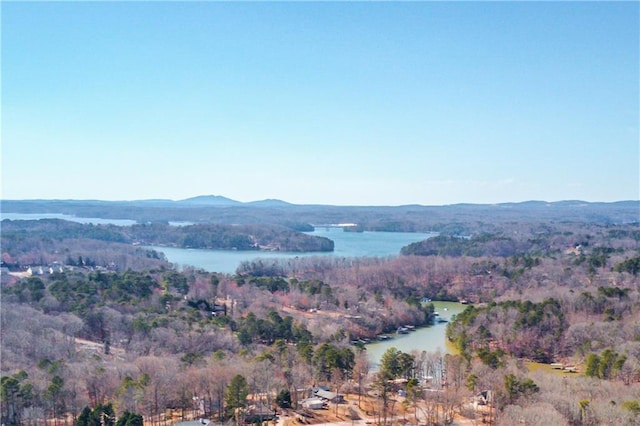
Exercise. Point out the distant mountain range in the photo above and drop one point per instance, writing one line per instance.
(210, 200)
(219, 200)
(455, 218)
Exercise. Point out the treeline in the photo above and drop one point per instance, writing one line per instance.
(211, 236)
(475, 246)
(459, 219)
(522, 329)
(30, 249)
(537, 240)
(228, 237)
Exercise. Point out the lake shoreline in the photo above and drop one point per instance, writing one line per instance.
(346, 245)
(430, 338)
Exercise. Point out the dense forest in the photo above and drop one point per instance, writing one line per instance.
(456, 219)
(133, 343)
(19, 237)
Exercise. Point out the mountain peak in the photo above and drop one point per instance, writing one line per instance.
(270, 202)
(210, 200)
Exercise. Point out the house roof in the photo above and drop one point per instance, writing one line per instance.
(312, 401)
(326, 394)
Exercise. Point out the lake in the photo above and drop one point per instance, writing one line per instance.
(70, 218)
(346, 244)
(430, 339)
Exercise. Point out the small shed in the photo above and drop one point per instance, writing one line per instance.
(313, 403)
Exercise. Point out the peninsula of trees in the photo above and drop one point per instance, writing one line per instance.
(20, 234)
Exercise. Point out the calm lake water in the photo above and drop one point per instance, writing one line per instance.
(70, 218)
(347, 244)
(428, 339)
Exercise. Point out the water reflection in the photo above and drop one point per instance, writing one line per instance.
(430, 339)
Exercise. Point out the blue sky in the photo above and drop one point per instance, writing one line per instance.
(331, 103)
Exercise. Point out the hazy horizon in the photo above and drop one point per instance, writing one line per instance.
(336, 103)
(231, 199)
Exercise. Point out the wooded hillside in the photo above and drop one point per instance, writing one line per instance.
(149, 339)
